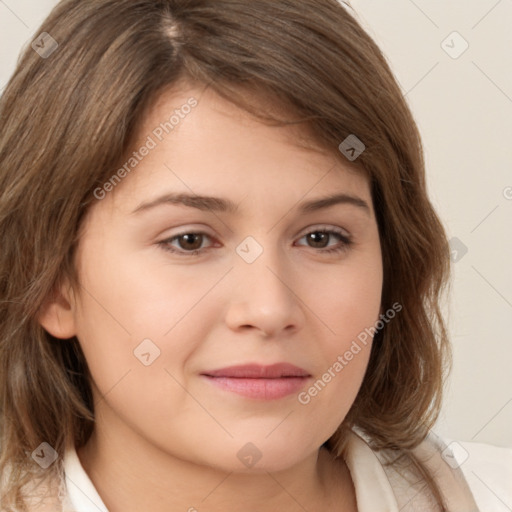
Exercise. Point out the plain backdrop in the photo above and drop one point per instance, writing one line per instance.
(453, 62)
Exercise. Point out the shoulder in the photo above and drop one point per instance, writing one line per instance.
(471, 476)
(488, 471)
(402, 476)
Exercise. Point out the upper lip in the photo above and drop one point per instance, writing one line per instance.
(257, 371)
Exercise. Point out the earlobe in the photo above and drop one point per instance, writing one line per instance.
(57, 314)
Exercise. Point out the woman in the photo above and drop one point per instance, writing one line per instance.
(253, 371)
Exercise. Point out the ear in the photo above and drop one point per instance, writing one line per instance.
(57, 314)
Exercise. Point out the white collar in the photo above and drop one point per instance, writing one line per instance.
(373, 490)
(81, 492)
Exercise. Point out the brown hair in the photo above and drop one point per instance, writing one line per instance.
(67, 121)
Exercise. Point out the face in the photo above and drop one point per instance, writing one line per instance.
(175, 295)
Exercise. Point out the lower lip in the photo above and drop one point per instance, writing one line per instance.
(262, 389)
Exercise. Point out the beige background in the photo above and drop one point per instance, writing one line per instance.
(462, 102)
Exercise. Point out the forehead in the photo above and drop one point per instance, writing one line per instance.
(217, 148)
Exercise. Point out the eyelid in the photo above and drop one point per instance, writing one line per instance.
(303, 232)
(324, 227)
(345, 237)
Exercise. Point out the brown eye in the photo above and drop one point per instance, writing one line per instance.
(190, 241)
(320, 240)
(189, 244)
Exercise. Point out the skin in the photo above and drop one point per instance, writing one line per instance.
(163, 427)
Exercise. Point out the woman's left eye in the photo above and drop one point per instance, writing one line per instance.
(191, 242)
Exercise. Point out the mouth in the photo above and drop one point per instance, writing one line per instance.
(258, 381)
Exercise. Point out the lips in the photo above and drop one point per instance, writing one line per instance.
(255, 371)
(259, 382)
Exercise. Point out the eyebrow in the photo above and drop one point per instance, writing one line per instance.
(218, 204)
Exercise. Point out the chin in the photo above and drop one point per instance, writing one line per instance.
(261, 455)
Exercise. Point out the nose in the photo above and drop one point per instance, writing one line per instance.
(265, 296)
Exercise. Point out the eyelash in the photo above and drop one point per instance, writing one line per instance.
(345, 245)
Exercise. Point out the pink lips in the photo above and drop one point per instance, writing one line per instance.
(260, 382)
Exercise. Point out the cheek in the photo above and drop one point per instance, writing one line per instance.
(350, 302)
(129, 297)
(133, 325)
(137, 369)
(349, 316)
(344, 360)
(349, 308)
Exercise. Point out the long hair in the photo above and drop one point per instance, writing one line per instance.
(67, 119)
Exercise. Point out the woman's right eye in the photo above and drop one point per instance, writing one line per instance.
(190, 238)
